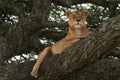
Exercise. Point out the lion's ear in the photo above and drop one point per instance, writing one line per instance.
(68, 13)
(85, 13)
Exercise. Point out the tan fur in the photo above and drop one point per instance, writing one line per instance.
(75, 32)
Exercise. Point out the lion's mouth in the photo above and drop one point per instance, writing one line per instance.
(77, 25)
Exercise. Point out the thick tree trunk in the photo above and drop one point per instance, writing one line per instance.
(105, 69)
(78, 61)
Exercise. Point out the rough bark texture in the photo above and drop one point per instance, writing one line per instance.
(106, 69)
(85, 51)
(81, 60)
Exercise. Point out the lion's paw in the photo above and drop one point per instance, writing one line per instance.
(34, 74)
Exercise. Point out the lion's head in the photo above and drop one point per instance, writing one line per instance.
(77, 19)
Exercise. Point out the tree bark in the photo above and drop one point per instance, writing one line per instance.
(79, 60)
(105, 69)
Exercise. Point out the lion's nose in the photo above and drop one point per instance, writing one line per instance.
(78, 20)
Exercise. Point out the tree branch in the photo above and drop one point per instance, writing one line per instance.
(90, 49)
(12, 7)
(68, 3)
(111, 4)
(77, 57)
(16, 39)
(105, 69)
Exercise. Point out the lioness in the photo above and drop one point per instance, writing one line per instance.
(77, 30)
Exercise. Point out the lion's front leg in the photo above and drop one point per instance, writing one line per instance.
(41, 57)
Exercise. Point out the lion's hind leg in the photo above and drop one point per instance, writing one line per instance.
(41, 57)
